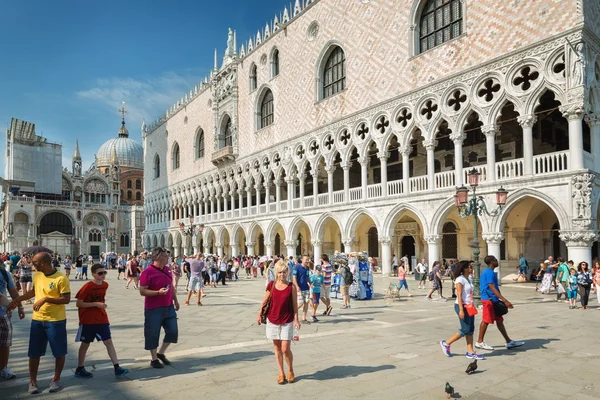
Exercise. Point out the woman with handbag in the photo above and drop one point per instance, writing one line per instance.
(466, 311)
(584, 279)
(279, 311)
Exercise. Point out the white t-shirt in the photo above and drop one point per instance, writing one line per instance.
(395, 261)
(422, 268)
(467, 292)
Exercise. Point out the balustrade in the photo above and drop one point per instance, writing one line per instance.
(356, 194)
(374, 191)
(309, 201)
(323, 199)
(418, 183)
(551, 162)
(509, 169)
(338, 197)
(445, 179)
(395, 187)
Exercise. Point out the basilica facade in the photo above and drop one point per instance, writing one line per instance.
(71, 211)
(348, 125)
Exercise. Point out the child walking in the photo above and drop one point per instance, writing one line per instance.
(316, 280)
(572, 290)
(93, 321)
(402, 280)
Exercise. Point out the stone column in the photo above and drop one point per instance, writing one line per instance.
(225, 203)
(527, 122)
(317, 251)
(269, 248)
(212, 205)
(490, 132)
(383, 156)
(405, 151)
(241, 200)
(219, 250)
(232, 196)
(290, 189)
(205, 207)
(257, 188)
(593, 121)
(386, 255)
(579, 245)
(330, 171)
(364, 165)
(234, 250)
(249, 198)
(430, 147)
(291, 247)
(218, 201)
(458, 139)
(206, 248)
(575, 116)
(301, 179)
(493, 240)
(250, 246)
(346, 168)
(348, 245)
(267, 196)
(315, 176)
(433, 247)
(278, 194)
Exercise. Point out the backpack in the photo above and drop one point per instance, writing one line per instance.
(348, 278)
(431, 275)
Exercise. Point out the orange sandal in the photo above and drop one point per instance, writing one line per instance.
(281, 379)
(291, 378)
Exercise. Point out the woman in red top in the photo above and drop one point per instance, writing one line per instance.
(282, 319)
(132, 272)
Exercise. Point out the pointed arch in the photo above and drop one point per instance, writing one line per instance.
(332, 58)
(320, 224)
(294, 226)
(175, 156)
(355, 217)
(394, 214)
(199, 144)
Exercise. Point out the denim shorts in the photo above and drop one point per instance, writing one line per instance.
(87, 333)
(156, 318)
(44, 332)
(402, 283)
(523, 270)
(467, 324)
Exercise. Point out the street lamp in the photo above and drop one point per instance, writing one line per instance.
(476, 207)
(190, 231)
(72, 240)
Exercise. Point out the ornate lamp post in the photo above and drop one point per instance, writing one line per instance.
(110, 237)
(476, 207)
(192, 228)
(73, 241)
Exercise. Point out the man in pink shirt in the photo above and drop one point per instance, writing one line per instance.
(160, 306)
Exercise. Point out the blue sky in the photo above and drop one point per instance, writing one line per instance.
(68, 64)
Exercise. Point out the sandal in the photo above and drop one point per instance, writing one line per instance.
(187, 303)
(291, 378)
(304, 321)
(199, 304)
(281, 379)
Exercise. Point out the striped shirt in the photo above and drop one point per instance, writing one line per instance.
(327, 271)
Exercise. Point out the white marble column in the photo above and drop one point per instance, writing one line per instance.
(268, 196)
(317, 251)
(225, 203)
(348, 245)
(232, 196)
(593, 121)
(205, 206)
(278, 194)
(575, 117)
(364, 166)
(219, 250)
(330, 171)
(315, 177)
(433, 247)
(206, 248)
(301, 181)
(290, 189)
(257, 188)
(430, 148)
(218, 201)
(212, 206)
(493, 240)
(386, 255)
(291, 248)
(458, 139)
(249, 198)
(490, 132)
(346, 169)
(405, 151)
(234, 250)
(383, 156)
(269, 249)
(527, 122)
(241, 200)
(250, 246)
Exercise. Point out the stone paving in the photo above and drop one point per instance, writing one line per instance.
(375, 350)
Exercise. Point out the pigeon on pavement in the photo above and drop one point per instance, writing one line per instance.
(472, 367)
(449, 390)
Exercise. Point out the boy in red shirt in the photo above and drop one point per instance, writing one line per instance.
(93, 321)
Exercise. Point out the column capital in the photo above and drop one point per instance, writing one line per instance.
(429, 144)
(301, 177)
(219, 246)
(383, 156)
(405, 150)
(592, 119)
(578, 238)
(363, 160)
(290, 243)
(268, 244)
(385, 240)
(317, 242)
(527, 121)
(250, 244)
(493, 237)
(572, 111)
(433, 239)
(490, 130)
(457, 137)
(330, 169)
(348, 243)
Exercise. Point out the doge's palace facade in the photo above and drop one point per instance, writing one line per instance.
(347, 125)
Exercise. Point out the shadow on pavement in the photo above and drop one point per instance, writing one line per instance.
(345, 371)
(530, 344)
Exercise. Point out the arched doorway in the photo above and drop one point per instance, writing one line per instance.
(408, 247)
(373, 242)
(449, 241)
(277, 244)
(261, 245)
(55, 232)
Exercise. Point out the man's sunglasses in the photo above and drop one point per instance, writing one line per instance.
(101, 273)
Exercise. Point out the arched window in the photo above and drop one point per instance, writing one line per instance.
(129, 184)
(253, 77)
(449, 241)
(373, 242)
(129, 195)
(226, 133)
(266, 110)
(200, 144)
(156, 166)
(138, 184)
(94, 235)
(441, 21)
(274, 63)
(175, 156)
(334, 73)
(124, 240)
(138, 195)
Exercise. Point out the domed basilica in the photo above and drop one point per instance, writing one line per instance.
(72, 211)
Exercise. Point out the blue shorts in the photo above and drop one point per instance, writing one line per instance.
(523, 270)
(84, 270)
(88, 332)
(43, 332)
(572, 293)
(467, 324)
(156, 318)
(402, 283)
(316, 297)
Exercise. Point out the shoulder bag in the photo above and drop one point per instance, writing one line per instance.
(266, 306)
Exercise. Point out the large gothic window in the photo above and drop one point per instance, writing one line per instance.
(441, 21)
(274, 63)
(334, 73)
(266, 110)
(227, 133)
(449, 241)
(95, 235)
(176, 155)
(124, 240)
(156, 166)
(253, 77)
(200, 144)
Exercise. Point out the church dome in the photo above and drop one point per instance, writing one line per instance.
(129, 152)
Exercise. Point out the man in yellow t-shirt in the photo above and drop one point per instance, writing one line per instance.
(49, 320)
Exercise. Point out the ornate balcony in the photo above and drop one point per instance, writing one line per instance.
(224, 155)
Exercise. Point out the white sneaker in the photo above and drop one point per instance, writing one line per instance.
(484, 345)
(7, 374)
(512, 344)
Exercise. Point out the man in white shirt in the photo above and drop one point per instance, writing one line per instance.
(394, 264)
(422, 269)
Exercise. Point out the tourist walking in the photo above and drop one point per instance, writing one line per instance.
(316, 281)
(195, 283)
(26, 274)
(68, 266)
(436, 282)
(522, 275)
(327, 270)
(572, 290)
(490, 294)
(596, 283)
(422, 268)
(301, 276)
(345, 283)
(562, 278)
(222, 270)
(160, 306)
(52, 292)
(132, 273)
(402, 282)
(176, 271)
(281, 320)
(466, 311)
(584, 279)
(121, 266)
(79, 267)
(93, 322)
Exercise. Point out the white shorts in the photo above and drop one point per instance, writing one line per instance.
(78, 270)
(325, 290)
(195, 284)
(303, 296)
(280, 332)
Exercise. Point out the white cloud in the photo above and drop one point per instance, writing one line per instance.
(144, 98)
